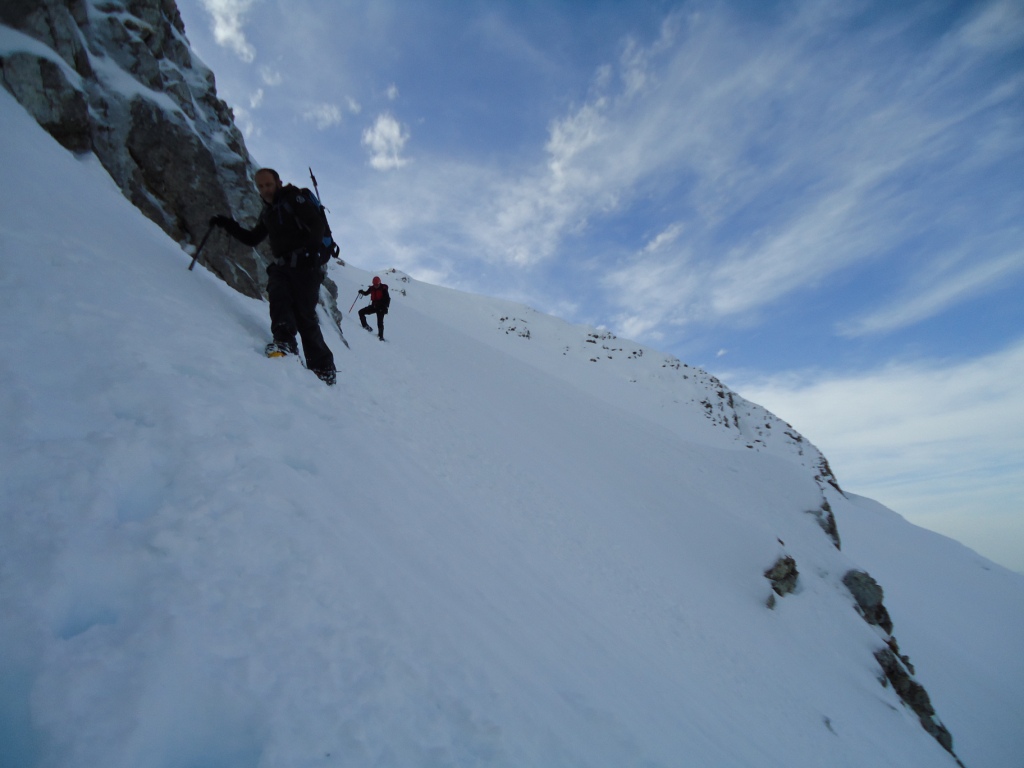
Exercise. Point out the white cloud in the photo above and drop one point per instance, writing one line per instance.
(938, 442)
(655, 291)
(323, 116)
(353, 106)
(392, 92)
(998, 25)
(385, 140)
(256, 99)
(665, 238)
(270, 76)
(522, 221)
(570, 138)
(761, 162)
(936, 295)
(817, 150)
(246, 123)
(228, 21)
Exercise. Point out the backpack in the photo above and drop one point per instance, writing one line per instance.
(330, 248)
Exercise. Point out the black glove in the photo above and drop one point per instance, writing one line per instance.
(222, 221)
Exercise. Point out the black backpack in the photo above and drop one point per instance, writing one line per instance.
(330, 248)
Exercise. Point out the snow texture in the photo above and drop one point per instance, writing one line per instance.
(499, 540)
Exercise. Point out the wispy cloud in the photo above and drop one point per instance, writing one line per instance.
(772, 154)
(323, 116)
(385, 140)
(920, 437)
(786, 160)
(665, 238)
(228, 21)
(936, 294)
(244, 119)
(999, 25)
(271, 76)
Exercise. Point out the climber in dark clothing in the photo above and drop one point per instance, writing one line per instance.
(380, 300)
(292, 220)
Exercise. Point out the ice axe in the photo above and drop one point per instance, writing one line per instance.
(316, 189)
(202, 242)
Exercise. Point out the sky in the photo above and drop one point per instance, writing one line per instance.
(493, 552)
(819, 203)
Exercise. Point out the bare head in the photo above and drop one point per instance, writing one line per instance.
(267, 183)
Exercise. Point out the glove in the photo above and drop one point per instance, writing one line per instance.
(222, 221)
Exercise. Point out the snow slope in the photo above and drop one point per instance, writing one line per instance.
(482, 547)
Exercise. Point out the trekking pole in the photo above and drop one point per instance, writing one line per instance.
(354, 302)
(200, 248)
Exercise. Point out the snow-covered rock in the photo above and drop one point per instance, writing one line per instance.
(118, 78)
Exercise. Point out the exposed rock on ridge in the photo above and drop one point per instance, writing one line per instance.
(783, 576)
(896, 668)
(117, 78)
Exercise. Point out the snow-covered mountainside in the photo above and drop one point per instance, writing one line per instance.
(500, 540)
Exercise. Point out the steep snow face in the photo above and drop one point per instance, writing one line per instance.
(483, 546)
(641, 381)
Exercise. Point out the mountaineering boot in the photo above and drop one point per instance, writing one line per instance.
(281, 348)
(327, 375)
(367, 328)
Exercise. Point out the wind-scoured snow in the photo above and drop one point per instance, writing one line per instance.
(500, 540)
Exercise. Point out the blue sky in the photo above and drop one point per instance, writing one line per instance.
(820, 203)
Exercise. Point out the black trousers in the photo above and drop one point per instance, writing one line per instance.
(370, 310)
(293, 294)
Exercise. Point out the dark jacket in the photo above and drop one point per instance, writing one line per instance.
(380, 298)
(294, 224)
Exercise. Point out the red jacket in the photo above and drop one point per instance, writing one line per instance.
(378, 295)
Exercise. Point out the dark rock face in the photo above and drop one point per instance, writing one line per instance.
(783, 575)
(914, 696)
(868, 594)
(897, 669)
(42, 87)
(167, 141)
(827, 520)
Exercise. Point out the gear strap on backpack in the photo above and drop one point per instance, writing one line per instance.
(330, 248)
(326, 249)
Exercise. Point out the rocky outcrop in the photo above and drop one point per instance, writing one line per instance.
(117, 78)
(783, 576)
(827, 520)
(896, 668)
(913, 695)
(868, 595)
